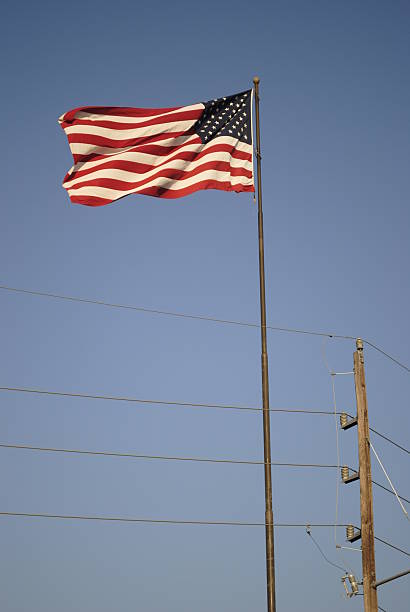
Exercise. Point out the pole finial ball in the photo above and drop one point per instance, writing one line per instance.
(256, 80)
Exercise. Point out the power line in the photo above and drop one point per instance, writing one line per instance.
(160, 402)
(175, 458)
(321, 551)
(202, 318)
(396, 361)
(392, 546)
(187, 404)
(169, 313)
(181, 522)
(124, 519)
(389, 491)
(161, 457)
(406, 450)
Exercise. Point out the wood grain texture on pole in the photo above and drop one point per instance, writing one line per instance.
(270, 551)
(366, 494)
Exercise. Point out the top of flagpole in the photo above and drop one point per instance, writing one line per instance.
(256, 80)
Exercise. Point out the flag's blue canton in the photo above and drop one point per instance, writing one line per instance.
(229, 116)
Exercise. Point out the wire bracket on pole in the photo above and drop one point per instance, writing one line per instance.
(341, 373)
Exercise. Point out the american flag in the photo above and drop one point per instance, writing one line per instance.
(162, 152)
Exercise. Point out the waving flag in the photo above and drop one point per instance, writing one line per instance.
(162, 152)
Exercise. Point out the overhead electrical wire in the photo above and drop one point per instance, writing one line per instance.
(406, 450)
(160, 402)
(308, 531)
(175, 458)
(389, 491)
(195, 459)
(392, 546)
(200, 405)
(169, 313)
(126, 519)
(201, 318)
(396, 361)
(160, 457)
(188, 405)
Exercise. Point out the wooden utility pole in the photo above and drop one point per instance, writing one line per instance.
(270, 554)
(366, 495)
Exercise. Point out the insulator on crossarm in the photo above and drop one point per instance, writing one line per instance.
(345, 473)
(343, 420)
(352, 534)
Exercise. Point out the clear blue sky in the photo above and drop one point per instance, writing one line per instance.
(335, 142)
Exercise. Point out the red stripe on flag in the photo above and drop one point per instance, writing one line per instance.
(172, 173)
(114, 125)
(117, 111)
(102, 141)
(140, 168)
(144, 146)
(170, 194)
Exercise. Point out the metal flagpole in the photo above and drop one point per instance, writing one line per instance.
(270, 554)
